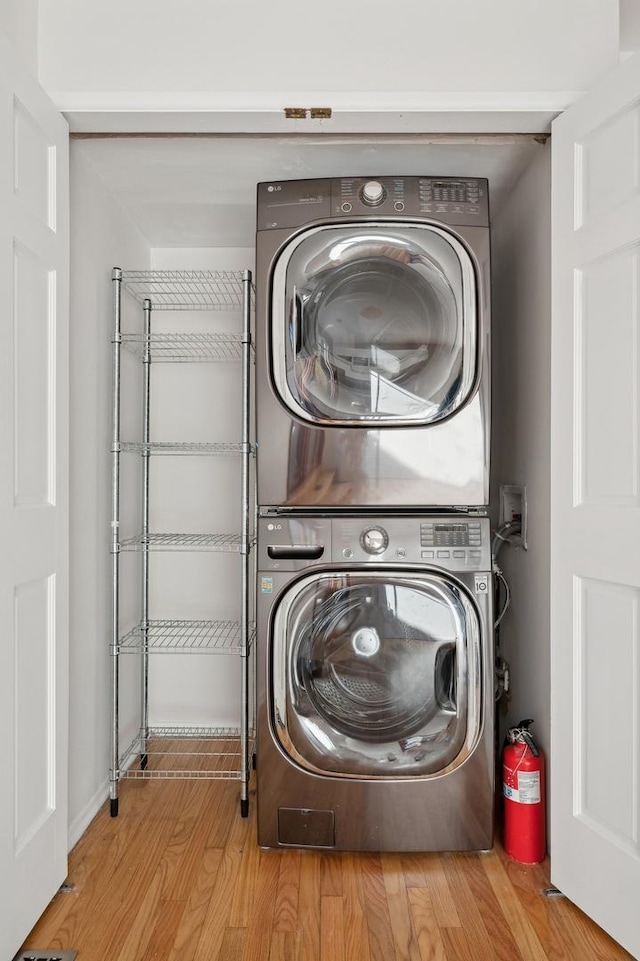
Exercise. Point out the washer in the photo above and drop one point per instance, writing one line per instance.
(375, 692)
(372, 343)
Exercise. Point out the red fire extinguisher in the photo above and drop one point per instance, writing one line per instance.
(523, 787)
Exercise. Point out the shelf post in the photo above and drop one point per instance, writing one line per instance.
(146, 436)
(116, 277)
(245, 540)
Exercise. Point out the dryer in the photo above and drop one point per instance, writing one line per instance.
(374, 675)
(372, 343)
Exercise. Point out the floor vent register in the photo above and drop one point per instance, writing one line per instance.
(45, 955)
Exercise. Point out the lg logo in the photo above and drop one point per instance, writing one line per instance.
(274, 527)
(273, 187)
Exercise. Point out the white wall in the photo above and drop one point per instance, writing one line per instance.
(19, 20)
(521, 427)
(243, 55)
(101, 237)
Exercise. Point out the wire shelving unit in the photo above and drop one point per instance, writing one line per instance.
(180, 752)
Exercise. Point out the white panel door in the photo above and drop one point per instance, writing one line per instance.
(34, 513)
(595, 522)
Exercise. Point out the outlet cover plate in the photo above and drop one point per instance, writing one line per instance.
(513, 503)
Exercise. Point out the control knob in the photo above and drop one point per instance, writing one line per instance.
(373, 193)
(374, 540)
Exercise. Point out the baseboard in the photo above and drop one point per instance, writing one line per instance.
(80, 823)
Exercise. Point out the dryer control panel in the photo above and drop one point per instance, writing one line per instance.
(457, 543)
(457, 201)
(453, 201)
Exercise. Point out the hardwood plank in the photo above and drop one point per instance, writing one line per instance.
(258, 943)
(188, 934)
(500, 935)
(332, 946)
(444, 904)
(286, 908)
(413, 868)
(139, 933)
(528, 883)
(355, 909)
(381, 945)
(163, 931)
(224, 811)
(457, 947)
(283, 946)
(459, 871)
(330, 874)
(428, 936)
(110, 913)
(521, 928)
(184, 848)
(243, 835)
(216, 919)
(405, 942)
(308, 934)
(233, 944)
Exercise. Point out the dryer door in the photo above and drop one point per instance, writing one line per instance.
(374, 325)
(376, 674)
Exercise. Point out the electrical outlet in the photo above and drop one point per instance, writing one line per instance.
(513, 506)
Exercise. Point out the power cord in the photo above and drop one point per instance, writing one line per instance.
(502, 536)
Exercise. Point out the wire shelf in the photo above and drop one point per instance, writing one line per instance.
(187, 752)
(185, 347)
(184, 636)
(186, 289)
(182, 447)
(230, 543)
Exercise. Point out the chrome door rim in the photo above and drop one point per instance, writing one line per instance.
(290, 729)
(471, 340)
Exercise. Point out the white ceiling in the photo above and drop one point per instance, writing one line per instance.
(200, 191)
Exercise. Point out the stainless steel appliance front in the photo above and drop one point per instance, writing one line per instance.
(372, 341)
(375, 699)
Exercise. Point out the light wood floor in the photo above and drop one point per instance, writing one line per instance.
(178, 877)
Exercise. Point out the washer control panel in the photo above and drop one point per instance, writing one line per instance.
(454, 542)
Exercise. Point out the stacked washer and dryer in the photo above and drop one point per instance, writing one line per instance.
(375, 717)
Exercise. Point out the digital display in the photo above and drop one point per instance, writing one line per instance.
(451, 535)
(451, 191)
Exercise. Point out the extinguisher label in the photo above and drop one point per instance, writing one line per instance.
(522, 786)
(529, 787)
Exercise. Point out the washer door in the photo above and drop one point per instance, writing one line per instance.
(374, 324)
(376, 674)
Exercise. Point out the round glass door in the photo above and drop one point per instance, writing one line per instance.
(375, 674)
(374, 324)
